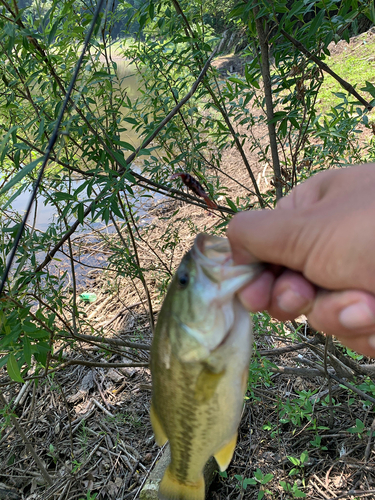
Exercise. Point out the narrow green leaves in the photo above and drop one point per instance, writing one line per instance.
(20, 175)
(13, 370)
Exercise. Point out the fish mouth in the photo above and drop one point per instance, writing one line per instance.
(213, 249)
(213, 255)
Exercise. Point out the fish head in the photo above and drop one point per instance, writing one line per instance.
(201, 298)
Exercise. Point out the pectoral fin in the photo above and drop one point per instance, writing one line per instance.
(206, 385)
(160, 436)
(172, 489)
(224, 456)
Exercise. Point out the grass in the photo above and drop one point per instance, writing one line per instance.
(355, 64)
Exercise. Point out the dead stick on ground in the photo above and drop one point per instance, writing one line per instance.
(28, 445)
(110, 341)
(101, 407)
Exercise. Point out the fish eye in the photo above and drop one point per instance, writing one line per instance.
(183, 279)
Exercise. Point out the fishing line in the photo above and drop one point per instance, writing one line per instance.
(50, 146)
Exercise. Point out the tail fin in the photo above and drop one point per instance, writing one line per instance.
(172, 489)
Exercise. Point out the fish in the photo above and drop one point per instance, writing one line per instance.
(200, 357)
(195, 186)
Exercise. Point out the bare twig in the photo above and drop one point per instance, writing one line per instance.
(104, 340)
(354, 493)
(283, 350)
(302, 372)
(101, 407)
(99, 364)
(331, 415)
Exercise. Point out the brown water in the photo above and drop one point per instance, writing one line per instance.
(131, 82)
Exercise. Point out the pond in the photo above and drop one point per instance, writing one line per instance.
(43, 213)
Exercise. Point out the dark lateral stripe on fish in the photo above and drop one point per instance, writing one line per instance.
(187, 416)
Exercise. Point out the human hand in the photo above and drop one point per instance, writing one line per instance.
(323, 235)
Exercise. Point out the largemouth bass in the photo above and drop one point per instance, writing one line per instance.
(199, 363)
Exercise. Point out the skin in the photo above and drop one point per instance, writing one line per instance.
(320, 244)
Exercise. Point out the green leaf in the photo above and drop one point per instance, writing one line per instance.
(317, 22)
(4, 143)
(120, 159)
(13, 370)
(267, 478)
(249, 480)
(81, 210)
(144, 152)
(369, 88)
(39, 334)
(258, 474)
(115, 209)
(13, 197)
(52, 33)
(370, 12)
(63, 196)
(20, 175)
(297, 493)
(128, 119)
(237, 80)
(100, 74)
(125, 145)
(232, 205)
(294, 460)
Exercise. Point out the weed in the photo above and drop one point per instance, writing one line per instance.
(271, 427)
(358, 428)
(76, 466)
(259, 373)
(296, 410)
(317, 443)
(52, 453)
(89, 496)
(292, 490)
(299, 463)
(258, 478)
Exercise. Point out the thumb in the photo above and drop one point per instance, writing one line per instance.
(273, 236)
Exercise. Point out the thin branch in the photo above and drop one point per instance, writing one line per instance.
(175, 110)
(301, 372)
(190, 33)
(353, 388)
(265, 68)
(283, 350)
(110, 341)
(349, 88)
(99, 364)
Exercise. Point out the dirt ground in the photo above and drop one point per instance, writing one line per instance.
(90, 425)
